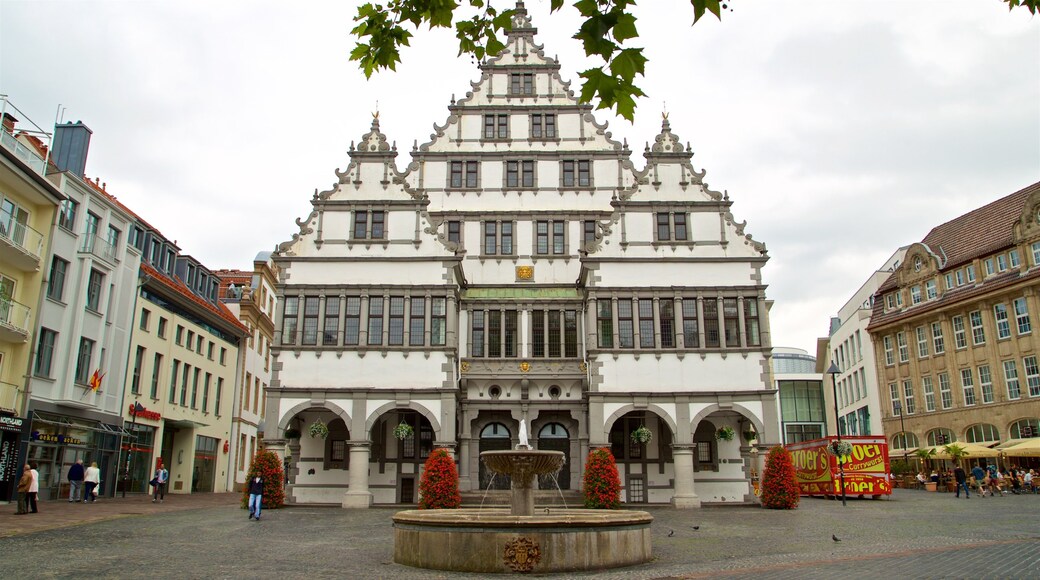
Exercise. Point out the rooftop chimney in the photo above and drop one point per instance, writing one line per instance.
(9, 123)
(71, 142)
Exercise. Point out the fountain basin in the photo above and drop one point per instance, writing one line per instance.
(494, 541)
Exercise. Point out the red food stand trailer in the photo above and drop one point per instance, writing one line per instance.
(866, 468)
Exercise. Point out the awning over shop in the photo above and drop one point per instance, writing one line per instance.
(1028, 448)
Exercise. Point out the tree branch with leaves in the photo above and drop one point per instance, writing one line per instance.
(607, 35)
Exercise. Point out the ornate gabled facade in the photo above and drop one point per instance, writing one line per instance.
(952, 329)
(520, 267)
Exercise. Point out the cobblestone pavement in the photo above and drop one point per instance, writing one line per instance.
(914, 534)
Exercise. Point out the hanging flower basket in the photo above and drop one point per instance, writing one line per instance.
(725, 434)
(642, 436)
(749, 435)
(403, 431)
(319, 429)
(292, 433)
(840, 448)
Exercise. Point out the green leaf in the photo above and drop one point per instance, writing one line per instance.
(625, 28)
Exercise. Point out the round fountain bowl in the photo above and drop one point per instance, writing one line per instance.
(493, 541)
(519, 463)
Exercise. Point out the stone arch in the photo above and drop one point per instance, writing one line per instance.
(741, 409)
(283, 422)
(412, 405)
(656, 409)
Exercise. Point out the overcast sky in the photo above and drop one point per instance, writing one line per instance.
(841, 130)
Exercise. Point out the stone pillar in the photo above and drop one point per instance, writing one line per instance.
(685, 497)
(358, 495)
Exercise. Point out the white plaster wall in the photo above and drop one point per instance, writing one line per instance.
(381, 273)
(374, 370)
(626, 274)
(648, 374)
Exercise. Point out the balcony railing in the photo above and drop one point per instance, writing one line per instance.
(26, 154)
(14, 320)
(21, 235)
(100, 247)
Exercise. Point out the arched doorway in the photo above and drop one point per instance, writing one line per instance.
(493, 437)
(640, 464)
(399, 459)
(554, 437)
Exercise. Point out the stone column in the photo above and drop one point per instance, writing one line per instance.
(358, 495)
(685, 497)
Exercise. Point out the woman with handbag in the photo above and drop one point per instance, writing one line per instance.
(92, 481)
(159, 483)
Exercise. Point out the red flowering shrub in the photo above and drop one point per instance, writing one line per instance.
(779, 485)
(267, 465)
(439, 484)
(601, 485)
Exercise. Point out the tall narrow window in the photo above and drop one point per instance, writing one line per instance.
(978, 334)
(45, 352)
(908, 397)
(890, 358)
(438, 321)
(691, 333)
(490, 238)
(173, 380)
(626, 330)
(554, 326)
(968, 384)
(605, 324)
(646, 323)
(205, 393)
(893, 391)
(1022, 316)
(195, 388)
(904, 349)
(352, 321)
(218, 395)
(589, 231)
(375, 320)
(94, 284)
(751, 328)
(86, 353)
(1032, 375)
(986, 384)
(476, 342)
(929, 394)
(711, 323)
(543, 125)
(360, 225)
(945, 392)
(922, 342)
(732, 319)
(506, 239)
(511, 334)
(310, 320)
(570, 333)
(417, 321)
(396, 331)
(67, 214)
(1014, 391)
(330, 331)
(156, 371)
(521, 84)
(937, 338)
(576, 173)
(56, 282)
(1000, 314)
(494, 333)
(454, 231)
(377, 231)
(289, 320)
(135, 382)
(666, 313)
(960, 339)
(538, 333)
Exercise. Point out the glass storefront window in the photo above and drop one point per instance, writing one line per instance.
(205, 470)
(142, 441)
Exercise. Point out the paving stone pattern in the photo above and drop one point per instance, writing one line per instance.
(914, 534)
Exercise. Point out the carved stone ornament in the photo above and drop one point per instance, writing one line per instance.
(524, 272)
(464, 366)
(522, 554)
(525, 366)
(582, 366)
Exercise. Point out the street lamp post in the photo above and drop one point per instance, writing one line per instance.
(834, 371)
(898, 408)
(137, 408)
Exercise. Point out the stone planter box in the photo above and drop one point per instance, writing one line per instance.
(930, 486)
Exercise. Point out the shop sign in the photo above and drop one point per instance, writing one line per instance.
(56, 438)
(145, 414)
(11, 423)
(8, 459)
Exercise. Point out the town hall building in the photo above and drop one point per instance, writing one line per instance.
(521, 267)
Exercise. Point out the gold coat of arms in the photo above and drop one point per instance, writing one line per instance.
(525, 366)
(522, 554)
(524, 272)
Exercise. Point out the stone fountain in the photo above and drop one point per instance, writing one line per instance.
(518, 539)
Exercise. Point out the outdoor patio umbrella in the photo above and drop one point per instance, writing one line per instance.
(1029, 448)
(975, 450)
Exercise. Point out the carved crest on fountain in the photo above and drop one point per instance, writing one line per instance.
(522, 554)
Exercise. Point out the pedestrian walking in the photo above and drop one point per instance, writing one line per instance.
(76, 473)
(92, 479)
(34, 488)
(256, 495)
(979, 473)
(159, 483)
(962, 481)
(23, 490)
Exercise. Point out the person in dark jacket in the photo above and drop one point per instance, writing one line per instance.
(256, 494)
(962, 481)
(23, 490)
(76, 473)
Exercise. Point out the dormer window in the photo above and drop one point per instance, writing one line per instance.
(890, 301)
(899, 299)
(988, 265)
(1001, 263)
(915, 295)
(930, 290)
(971, 273)
(1015, 260)
(960, 278)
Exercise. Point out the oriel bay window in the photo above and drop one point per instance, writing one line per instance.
(438, 321)
(554, 333)
(464, 174)
(494, 333)
(520, 173)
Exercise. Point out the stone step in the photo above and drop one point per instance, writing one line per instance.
(500, 498)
